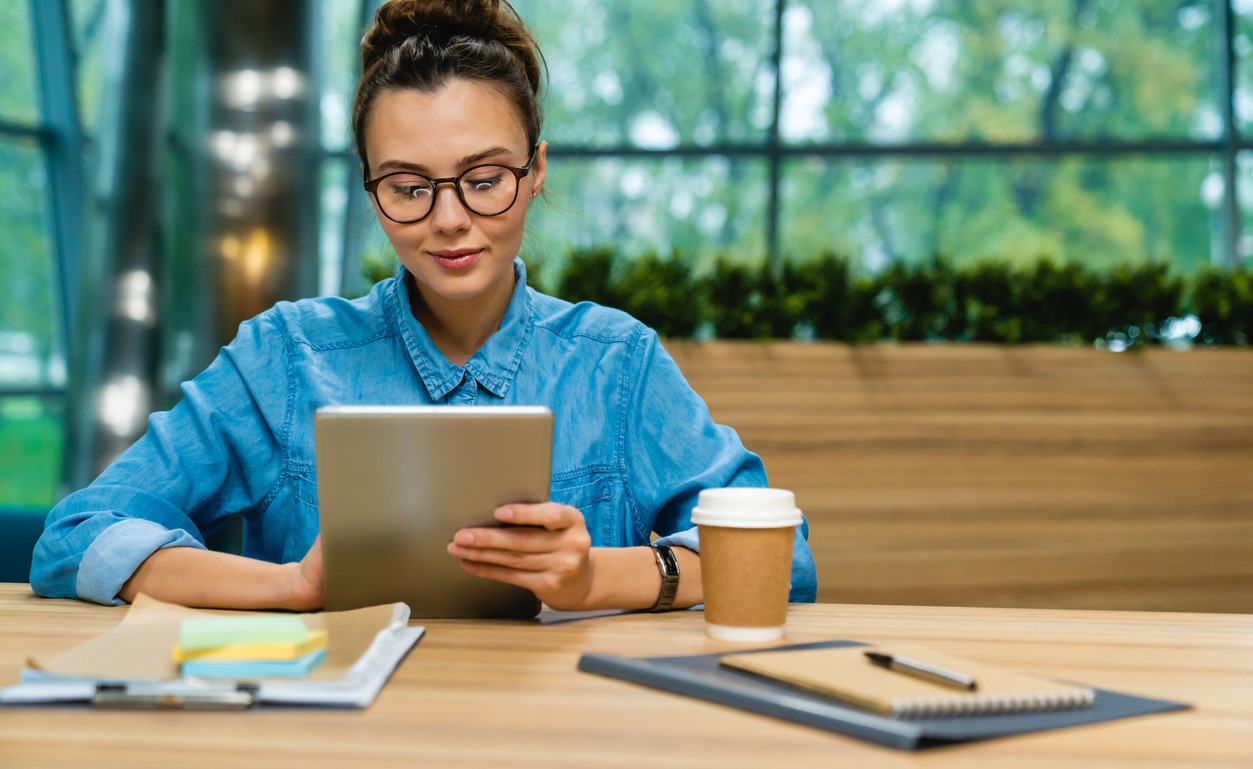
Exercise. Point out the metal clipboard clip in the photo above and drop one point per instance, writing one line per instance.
(141, 697)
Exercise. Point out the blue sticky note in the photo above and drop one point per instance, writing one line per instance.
(297, 668)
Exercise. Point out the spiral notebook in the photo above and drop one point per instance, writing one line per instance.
(847, 675)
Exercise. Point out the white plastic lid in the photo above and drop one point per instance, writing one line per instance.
(746, 508)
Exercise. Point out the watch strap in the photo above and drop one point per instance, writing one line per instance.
(668, 566)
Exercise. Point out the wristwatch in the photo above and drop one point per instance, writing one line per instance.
(668, 565)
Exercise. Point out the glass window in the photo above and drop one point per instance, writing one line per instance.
(340, 23)
(1099, 211)
(1242, 50)
(88, 20)
(701, 207)
(1000, 71)
(17, 62)
(1244, 194)
(656, 73)
(31, 443)
(29, 342)
(31, 354)
(336, 177)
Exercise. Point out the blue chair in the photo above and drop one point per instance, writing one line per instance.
(19, 529)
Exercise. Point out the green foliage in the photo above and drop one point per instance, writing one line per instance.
(661, 292)
(987, 301)
(585, 277)
(377, 266)
(1137, 297)
(1223, 302)
(1048, 302)
(1054, 304)
(834, 303)
(31, 443)
(993, 300)
(745, 303)
(920, 302)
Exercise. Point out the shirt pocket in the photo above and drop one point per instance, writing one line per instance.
(289, 523)
(599, 495)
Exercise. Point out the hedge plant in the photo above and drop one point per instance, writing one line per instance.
(932, 300)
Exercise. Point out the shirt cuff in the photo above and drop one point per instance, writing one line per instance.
(686, 539)
(118, 551)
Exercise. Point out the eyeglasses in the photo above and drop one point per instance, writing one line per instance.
(406, 197)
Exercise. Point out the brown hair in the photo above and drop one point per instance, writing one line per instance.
(423, 44)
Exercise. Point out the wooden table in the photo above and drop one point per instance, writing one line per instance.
(506, 694)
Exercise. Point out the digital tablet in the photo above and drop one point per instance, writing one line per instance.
(396, 482)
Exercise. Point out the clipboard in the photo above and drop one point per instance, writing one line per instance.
(131, 666)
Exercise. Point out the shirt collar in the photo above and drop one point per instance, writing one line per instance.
(493, 366)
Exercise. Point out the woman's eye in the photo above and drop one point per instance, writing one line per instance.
(410, 190)
(483, 183)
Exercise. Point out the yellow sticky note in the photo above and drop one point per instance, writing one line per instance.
(255, 652)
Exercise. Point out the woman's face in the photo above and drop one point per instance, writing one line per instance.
(453, 254)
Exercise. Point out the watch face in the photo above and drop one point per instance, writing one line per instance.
(668, 563)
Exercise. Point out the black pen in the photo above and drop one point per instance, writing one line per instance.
(923, 670)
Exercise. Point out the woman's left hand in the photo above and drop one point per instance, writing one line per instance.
(547, 551)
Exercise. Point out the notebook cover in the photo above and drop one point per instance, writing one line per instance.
(702, 677)
(845, 674)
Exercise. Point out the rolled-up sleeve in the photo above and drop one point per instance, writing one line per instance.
(675, 450)
(214, 454)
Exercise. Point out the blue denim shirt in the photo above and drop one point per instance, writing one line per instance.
(633, 445)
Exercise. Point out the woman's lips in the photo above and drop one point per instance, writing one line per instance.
(456, 258)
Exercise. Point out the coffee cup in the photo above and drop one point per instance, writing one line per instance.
(746, 539)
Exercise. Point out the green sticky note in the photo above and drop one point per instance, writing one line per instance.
(212, 632)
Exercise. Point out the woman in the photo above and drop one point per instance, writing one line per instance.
(447, 124)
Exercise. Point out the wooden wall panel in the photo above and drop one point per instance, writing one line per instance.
(1004, 476)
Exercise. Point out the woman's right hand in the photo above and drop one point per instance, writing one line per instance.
(305, 580)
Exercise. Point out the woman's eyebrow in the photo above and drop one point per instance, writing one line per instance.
(468, 160)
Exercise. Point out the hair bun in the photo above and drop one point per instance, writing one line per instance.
(435, 20)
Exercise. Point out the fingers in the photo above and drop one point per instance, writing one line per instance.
(547, 515)
(547, 551)
(526, 540)
(557, 560)
(560, 588)
(526, 547)
(537, 528)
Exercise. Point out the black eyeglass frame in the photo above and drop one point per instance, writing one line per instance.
(372, 185)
